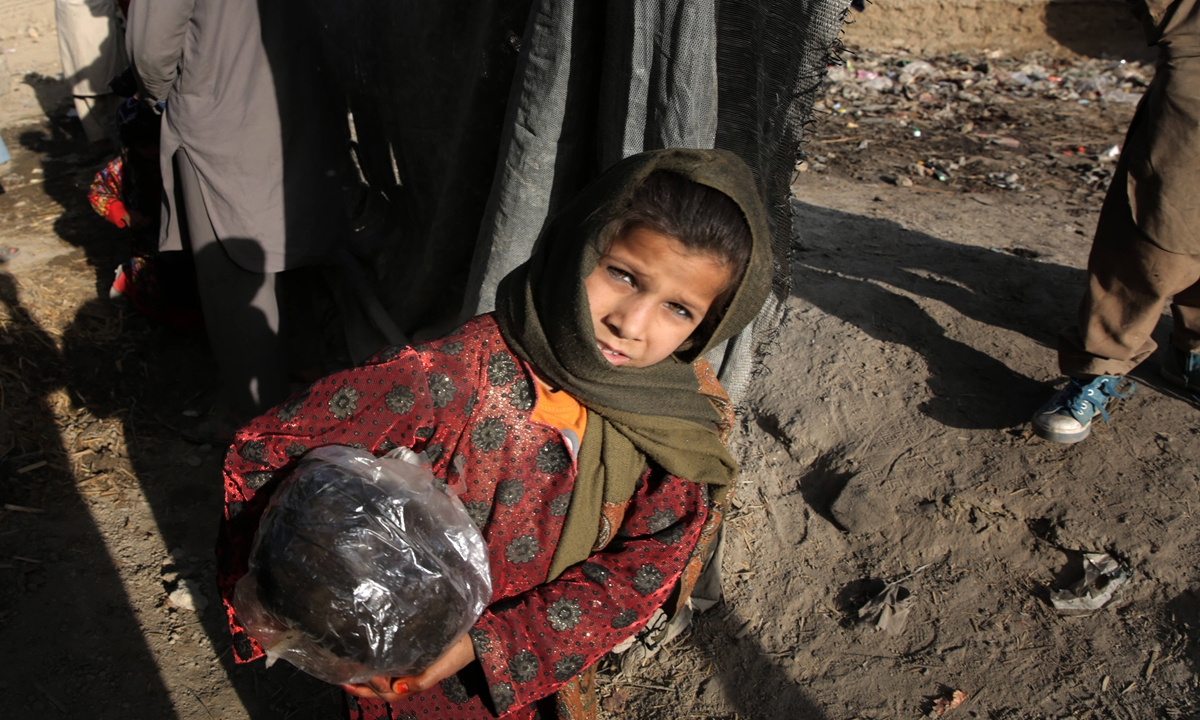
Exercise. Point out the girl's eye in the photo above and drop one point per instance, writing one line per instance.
(680, 311)
(621, 275)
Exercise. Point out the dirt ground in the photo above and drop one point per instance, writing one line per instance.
(887, 432)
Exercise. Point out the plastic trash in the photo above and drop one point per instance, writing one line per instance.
(1103, 580)
(889, 609)
(362, 567)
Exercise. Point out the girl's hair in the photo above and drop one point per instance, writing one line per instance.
(703, 219)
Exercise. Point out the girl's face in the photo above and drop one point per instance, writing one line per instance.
(647, 294)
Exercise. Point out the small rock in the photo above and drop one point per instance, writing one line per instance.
(188, 597)
(904, 181)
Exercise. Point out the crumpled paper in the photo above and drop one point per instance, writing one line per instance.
(1104, 579)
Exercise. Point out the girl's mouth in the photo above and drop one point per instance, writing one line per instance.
(611, 355)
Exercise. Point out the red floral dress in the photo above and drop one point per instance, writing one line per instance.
(466, 401)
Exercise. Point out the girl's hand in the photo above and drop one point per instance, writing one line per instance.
(461, 654)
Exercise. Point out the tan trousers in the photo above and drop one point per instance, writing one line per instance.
(1147, 244)
(1130, 279)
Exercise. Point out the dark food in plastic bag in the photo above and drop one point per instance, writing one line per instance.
(362, 567)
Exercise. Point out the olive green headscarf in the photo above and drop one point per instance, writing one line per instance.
(635, 415)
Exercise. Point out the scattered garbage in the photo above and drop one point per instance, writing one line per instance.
(1103, 581)
(1007, 115)
(964, 79)
(1006, 181)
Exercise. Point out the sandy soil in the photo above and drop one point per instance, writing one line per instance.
(887, 432)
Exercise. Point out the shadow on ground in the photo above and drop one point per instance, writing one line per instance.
(88, 600)
(881, 277)
(754, 683)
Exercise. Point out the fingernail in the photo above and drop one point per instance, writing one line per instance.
(400, 688)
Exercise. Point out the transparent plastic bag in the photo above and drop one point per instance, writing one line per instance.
(362, 567)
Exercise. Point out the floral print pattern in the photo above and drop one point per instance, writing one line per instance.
(481, 641)
(501, 368)
(502, 696)
(564, 614)
(523, 667)
(489, 435)
(647, 580)
(479, 512)
(624, 619)
(454, 690)
(661, 520)
(290, 409)
(560, 505)
(522, 550)
(254, 451)
(521, 395)
(553, 458)
(566, 668)
(441, 390)
(258, 480)
(343, 403)
(400, 399)
(509, 492)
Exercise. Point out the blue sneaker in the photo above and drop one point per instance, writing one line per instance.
(1181, 368)
(1067, 418)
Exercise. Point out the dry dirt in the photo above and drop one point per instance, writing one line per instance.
(889, 431)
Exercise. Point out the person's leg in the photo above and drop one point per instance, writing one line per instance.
(241, 313)
(1181, 362)
(1186, 312)
(1130, 279)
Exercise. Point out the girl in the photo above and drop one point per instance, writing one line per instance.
(582, 420)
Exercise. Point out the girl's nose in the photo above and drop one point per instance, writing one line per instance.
(629, 319)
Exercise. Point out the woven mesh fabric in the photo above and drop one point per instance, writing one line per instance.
(771, 58)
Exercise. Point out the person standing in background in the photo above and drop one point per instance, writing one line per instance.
(92, 49)
(1147, 245)
(250, 157)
